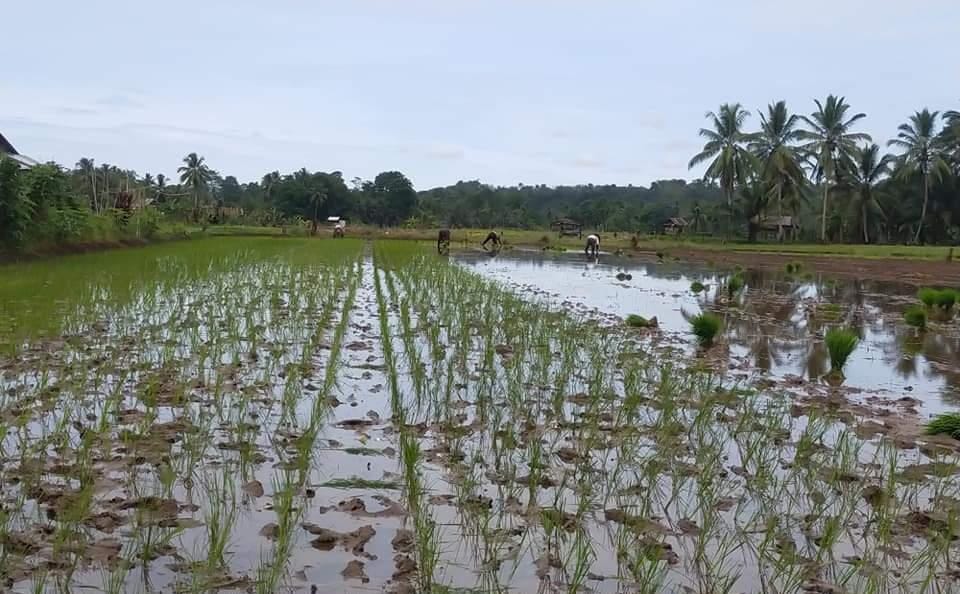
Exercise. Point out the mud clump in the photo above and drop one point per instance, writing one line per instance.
(355, 542)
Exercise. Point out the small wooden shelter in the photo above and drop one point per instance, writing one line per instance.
(567, 227)
(776, 227)
(675, 226)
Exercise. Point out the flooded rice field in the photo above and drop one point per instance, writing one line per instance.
(776, 326)
(287, 415)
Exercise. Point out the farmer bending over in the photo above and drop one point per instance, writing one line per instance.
(593, 245)
(492, 237)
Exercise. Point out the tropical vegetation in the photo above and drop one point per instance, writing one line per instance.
(797, 176)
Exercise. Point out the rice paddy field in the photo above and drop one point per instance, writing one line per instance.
(299, 415)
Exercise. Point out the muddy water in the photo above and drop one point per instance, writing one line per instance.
(776, 327)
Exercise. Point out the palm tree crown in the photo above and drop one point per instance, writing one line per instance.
(831, 143)
(196, 175)
(921, 155)
(775, 148)
(727, 146)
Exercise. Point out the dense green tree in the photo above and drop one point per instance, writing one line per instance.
(231, 193)
(921, 156)
(727, 147)
(393, 197)
(832, 144)
(15, 209)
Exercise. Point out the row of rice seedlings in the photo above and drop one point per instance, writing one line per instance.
(224, 343)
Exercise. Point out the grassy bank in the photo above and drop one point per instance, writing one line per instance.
(525, 238)
(652, 243)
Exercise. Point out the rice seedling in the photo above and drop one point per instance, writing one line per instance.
(945, 299)
(560, 439)
(638, 321)
(928, 296)
(840, 345)
(916, 316)
(944, 424)
(705, 327)
(734, 285)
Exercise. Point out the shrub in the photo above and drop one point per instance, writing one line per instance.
(840, 344)
(916, 316)
(793, 267)
(705, 327)
(637, 321)
(67, 224)
(697, 287)
(144, 223)
(945, 424)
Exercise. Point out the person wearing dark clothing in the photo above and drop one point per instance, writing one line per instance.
(493, 238)
(443, 241)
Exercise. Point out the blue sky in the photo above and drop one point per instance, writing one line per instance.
(527, 91)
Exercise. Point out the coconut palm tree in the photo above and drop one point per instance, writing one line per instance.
(697, 220)
(105, 170)
(196, 175)
(89, 169)
(781, 165)
(949, 140)
(318, 196)
(921, 155)
(727, 146)
(860, 182)
(831, 143)
(161, 187)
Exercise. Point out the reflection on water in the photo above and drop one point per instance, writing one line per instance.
(776, 325)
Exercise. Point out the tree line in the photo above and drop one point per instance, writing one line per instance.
(820, 164)
(817, 169)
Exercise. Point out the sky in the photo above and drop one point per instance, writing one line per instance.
(525, 91)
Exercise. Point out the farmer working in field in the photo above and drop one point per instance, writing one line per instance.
(443, 241)
(593, 245)
(494, 238)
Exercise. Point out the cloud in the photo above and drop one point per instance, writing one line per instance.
(587, 162)
(120, 100)
(80, 111)
(445, 152)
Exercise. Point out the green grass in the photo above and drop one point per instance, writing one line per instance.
(944, 424)
(840, 345)
(916, 316)
(705, 327)
(624, 240)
